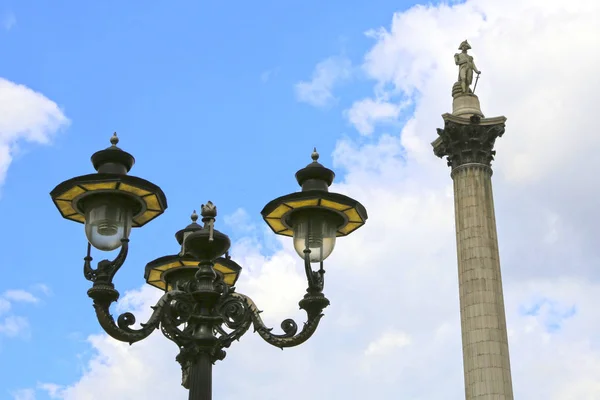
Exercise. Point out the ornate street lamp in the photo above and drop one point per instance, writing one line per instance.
(200, 310)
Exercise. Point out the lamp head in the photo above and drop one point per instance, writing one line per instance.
(109, 202)
(165, 272)
(314, 217)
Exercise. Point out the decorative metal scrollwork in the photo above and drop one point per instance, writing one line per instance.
(200, 326)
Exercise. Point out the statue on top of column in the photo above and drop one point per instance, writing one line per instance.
(466, 66)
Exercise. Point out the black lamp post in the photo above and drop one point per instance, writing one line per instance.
(200, 310)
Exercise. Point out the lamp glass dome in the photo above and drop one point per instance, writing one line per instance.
(315, 231)
(107, 222)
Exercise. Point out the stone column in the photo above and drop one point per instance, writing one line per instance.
(467, 142)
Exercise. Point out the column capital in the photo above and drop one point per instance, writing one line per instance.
(468, 140)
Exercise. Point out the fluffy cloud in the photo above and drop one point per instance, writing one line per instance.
(12, 325)
(20, 295)
(328, 73)
(9, 21)
(365, 113)
(268, 74)
(129, 372)
(26, 116)
(24, 394)
(393, 327)
(4, 305)
(388, 342)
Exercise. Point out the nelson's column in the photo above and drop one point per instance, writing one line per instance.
(467, 141)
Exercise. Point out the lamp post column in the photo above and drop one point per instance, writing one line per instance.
(204, 345)
(201, 378)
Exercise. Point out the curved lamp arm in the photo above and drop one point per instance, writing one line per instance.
(121, 330)
(290, 337)
(239, 312)
(104, 294)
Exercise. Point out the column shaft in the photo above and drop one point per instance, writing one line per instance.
(486, 359)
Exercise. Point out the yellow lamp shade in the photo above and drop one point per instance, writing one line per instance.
(277, 214)
(158, 270)
(148, 200)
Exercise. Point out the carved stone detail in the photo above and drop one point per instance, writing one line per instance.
(465, 141)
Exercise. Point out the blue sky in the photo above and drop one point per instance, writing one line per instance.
(224, 101)
(201, 93)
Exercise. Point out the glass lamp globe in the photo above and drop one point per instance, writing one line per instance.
(315, 231)
(106, 223)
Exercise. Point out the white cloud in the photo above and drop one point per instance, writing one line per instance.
(9, 20)
(4, 306)
(41, 287)
(13, 326)
(126, 371)
(365, 113)
(52, 390)
(268, 74)
(24, 394)
(327, 74)
(239, 221)
(387, 342)
(348, 319)
(425, 64)
(20, 296)
(399, 273)
(26, 116)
